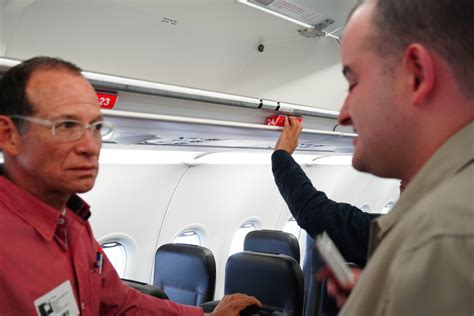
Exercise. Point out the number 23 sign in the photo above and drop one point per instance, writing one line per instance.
(107, 100)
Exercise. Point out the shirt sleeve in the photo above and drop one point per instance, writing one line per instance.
(347, 225)
(117, 298)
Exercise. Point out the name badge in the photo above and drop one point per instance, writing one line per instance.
(59, 301)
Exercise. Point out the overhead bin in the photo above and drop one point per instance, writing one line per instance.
(117, 83)
(158, 114)
(166, 130)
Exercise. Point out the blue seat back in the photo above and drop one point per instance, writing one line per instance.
(273, 241)
(186, 273)
(276, 280)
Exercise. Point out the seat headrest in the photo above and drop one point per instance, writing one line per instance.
(273, 241)
(276, 280)
(187, 273)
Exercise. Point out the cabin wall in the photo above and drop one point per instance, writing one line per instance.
(345, 184)
(221, 198)
(129, 203)
(147, 205)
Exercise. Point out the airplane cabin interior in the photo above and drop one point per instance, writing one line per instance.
(189, 86)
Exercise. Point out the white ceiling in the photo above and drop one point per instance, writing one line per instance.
(207, 44)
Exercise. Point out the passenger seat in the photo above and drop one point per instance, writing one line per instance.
(276, 280)
(273, 241)
(186, 273)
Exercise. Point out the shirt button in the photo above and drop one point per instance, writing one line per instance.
(61, 221)
(83, 306)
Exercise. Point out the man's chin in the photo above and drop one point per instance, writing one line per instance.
(82, 186)
(370, 166)
(83, 190)
(359, 164)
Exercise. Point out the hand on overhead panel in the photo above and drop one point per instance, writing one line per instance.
(288, 140)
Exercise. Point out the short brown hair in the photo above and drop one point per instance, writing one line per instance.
(446, 26)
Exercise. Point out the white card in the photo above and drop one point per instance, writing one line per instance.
(334, 259)
(60, 301)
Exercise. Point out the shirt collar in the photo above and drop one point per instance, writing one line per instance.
(41, 216)
(79, 207)
(453, 156)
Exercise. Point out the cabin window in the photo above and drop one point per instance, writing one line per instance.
(239, 237)
(365, 208)
(387, 207)
(292, 227)
(188, 237)
(117, 255)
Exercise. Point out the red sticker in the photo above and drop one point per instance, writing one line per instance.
(107, 100)
(277, 120)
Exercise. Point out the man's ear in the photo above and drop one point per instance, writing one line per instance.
(9, 136)
(420, 67)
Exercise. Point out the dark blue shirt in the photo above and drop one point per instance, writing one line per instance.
(347, 225)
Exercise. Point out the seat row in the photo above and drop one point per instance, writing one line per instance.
(268, 269)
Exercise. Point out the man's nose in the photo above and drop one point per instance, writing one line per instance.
(344, 116)
(90, 143)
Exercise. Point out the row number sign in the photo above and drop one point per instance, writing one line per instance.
(107, 100)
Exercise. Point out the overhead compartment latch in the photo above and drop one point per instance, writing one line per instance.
(269, 105)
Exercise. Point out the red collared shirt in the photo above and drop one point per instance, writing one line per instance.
(35, 258)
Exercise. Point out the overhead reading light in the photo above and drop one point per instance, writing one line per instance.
(293, 11)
